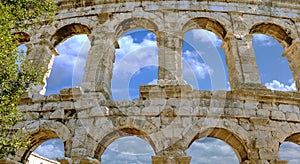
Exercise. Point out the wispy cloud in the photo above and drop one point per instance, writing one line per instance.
(68, 67)
(290, 151)
(264, 40)
(51, 149)
(128, 150)
(130, 59)
(211, 150)
(193, 68)
(206, 36)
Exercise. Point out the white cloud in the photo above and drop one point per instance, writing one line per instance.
(154, 81)
(207, 36)
(144, 53)
(264, 40)
(68, 67)
(211, 150)
(130, 59)
(192, 67)
(51, 149)
(276, 85)
(128, 150)
(290, 151)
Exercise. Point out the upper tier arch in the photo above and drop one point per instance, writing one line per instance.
(134, 23)
(206, 24)
(68, 31)
(274, 30)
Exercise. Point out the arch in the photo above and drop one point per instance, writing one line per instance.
(122, 132)
(36, 139)
(67, 69)
(274, 30)
(133, 23)
(206, 24)
(68, 31)
(23, 37)
(295, 138)
(283, 79)
(138, 50)
(228, 137)
(290, 144)
(45, 130)
(197, 67)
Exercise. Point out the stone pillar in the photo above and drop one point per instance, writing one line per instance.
(42, 55)
(293, 55)
(171, 160)
(265, 148)
(241, 62)
(99, 64)
(169, 58)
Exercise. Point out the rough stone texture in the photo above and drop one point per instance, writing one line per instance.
(170, 115)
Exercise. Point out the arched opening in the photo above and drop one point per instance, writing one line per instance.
(220, 141)
(134, 23)
(68, 31)
(208, 24)
(276, 31)
(211, 150)
(123, 132)
(289, 150)
(52, 150)
(23, 37)
(72, 45)
(203, 60)
(129, 149)
(68, 68)
(44, 145)
(136, 63)
(273, 69)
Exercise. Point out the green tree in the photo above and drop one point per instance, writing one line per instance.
(15, 78)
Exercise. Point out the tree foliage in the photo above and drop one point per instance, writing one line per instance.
(16, 74)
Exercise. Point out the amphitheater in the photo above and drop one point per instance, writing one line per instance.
(171, 115)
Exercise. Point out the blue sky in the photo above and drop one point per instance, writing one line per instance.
(203, 67)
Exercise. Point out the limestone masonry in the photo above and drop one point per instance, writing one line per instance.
(253, 120)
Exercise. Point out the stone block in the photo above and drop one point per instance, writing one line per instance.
(58, 114)
(277, 115)
(263, 113)
(292, 117)
(289, 108)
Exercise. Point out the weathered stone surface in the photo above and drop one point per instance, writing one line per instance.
(170, 115)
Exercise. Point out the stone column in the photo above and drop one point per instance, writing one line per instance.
(241, 62)
(293, 55)
(99, 64)
(41, 54)
(171, 160)
(265, 147)
(169, 59)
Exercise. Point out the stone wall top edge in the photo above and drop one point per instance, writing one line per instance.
(85, 2)
(271, 8)
(253, 95)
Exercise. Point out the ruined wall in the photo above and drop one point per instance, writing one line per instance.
(170, 115)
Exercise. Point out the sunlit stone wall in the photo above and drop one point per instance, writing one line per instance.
(170, 115)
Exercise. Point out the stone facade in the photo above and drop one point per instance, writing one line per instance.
(170, 115)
